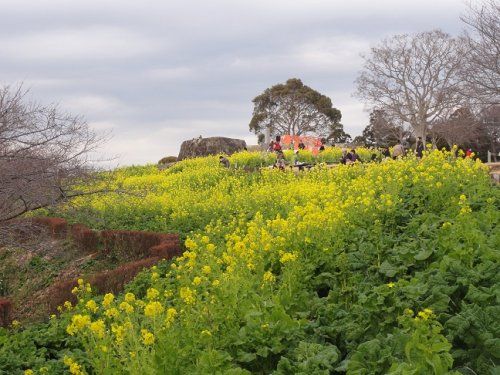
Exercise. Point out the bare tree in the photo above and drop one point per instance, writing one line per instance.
(481, 69)
(44, 154)
(461, 128)
(414, 78)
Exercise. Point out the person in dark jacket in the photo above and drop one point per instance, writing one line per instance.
(223, 161)
(419, 149)
(354, 156)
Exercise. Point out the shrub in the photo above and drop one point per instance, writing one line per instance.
(85, 238)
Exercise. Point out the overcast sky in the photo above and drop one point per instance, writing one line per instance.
(158, 72)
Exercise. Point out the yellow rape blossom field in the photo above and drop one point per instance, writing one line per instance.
(373, 268)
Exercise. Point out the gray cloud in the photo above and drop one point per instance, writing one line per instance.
(159, 72)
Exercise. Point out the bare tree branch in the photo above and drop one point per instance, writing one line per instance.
(44, 154)
(414, 78)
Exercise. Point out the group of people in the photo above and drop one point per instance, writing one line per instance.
(348, 157)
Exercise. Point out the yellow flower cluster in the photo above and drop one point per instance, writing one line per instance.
(108, 299)
(187, 295)
(78, 323)
(153, 309)
(424, 314)
(288, 257)
(152, 294)
(252, 232)
(73, 367)
(147, 337)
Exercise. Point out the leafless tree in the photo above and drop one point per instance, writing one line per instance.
(481, 69)
(414, 78)
(44, 154)
(461, 128)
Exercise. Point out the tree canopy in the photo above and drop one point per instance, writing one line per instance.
(296, 109)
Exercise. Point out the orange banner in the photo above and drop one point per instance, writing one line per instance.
(312, 143)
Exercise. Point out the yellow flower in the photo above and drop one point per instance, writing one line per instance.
(80, 282)
(187, 295)
(119, 332)
(129, 297)
(190, 244)
(211, 247)
(74, 290)
(268, 277)
(104, 348)
(108, 299)
(424, 314)
(152, 294)
(171, 314)
(155, 276)
(465, 210)
(288, 257)
(132, 354)
(74, 368)
(127, 307)
(91, 305)
(153, 308)
(112, 312)
(78, 322)
(391, 285)
(206, 270)
(168, 293)
(216, 283)
(15, 324)
(98, 328)
(28, 372)
(197, 280)
(147, 337)
(67, 305)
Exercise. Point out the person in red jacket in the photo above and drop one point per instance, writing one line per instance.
(277, 144)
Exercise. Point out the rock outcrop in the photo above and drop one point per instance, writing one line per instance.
(210, 146)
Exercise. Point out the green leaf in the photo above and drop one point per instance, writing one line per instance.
(424, 254)
(388, 269)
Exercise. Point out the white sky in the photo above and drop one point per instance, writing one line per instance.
(158, 72)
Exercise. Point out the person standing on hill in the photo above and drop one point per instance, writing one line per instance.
(419, 149)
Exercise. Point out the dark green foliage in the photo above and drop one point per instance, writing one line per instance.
(296, 109)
